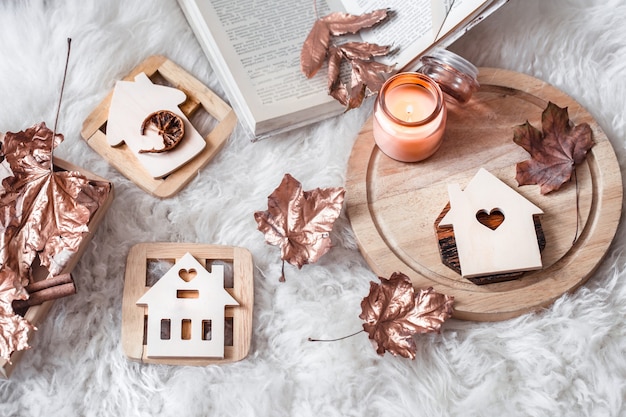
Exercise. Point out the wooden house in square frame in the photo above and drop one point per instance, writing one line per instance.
(186, 311)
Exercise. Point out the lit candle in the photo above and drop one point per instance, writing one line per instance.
(410, 117)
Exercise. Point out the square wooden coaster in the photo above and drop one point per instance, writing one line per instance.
(138, 281)
(198, 96)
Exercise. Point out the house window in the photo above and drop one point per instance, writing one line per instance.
(187, 294)
(206, 330)
(166, 325)
(228, 331)
(185, 329)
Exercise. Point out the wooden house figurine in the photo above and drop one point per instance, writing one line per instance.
(510, 246)
(186, 311)
(131, 103)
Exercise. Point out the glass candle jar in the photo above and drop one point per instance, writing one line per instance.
(409, 117)
(455, 75)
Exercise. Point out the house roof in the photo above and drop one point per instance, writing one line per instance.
(486, 191)
(189, 275)
(510, 246)
(135, 100)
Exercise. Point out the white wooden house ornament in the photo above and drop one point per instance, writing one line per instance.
(511, 247)
(186, 311)
(131, 103)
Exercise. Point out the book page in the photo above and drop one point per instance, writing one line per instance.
(254, 48)
(459, 11)
(410, 23)
(267, 41)
(414, 25)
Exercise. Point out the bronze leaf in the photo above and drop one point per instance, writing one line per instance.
(317, 46)
(300, 222)
(393, 313)
(370, 73)
(363, 50)
(317, 42)
(43, 214)
(343, 23)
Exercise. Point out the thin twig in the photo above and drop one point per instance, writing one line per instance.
(577, 207)
(282, 273)
(335, 340)
(56, 119)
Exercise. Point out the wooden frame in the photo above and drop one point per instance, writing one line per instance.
(134, 316)
(123, 159)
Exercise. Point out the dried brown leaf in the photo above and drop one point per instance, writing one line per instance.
(393, 313)
(300, 221)
(43, 214)
(554, 151)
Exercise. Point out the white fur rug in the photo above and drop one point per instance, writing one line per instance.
(565, 361)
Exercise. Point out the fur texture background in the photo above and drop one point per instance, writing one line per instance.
(567, 360)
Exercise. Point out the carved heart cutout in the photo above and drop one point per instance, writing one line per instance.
(187, 275)
(492, 219)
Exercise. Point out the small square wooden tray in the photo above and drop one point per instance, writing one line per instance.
(36, 314)
(198, 96)
(136, 284)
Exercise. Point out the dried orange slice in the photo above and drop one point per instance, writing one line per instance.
(168, 125)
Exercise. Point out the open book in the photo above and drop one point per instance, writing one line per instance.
(254, 48)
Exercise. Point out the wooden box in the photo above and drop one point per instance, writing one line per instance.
(36, 314)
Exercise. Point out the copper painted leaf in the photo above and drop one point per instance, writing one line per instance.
(554, 151)
(317, 41)
(393, 313)
(363, 50)
(300, 221)
(343, 23)
(370, 73)
(14, 328)
(365, 74)
(334, 66)
(314, 50)
(357, 94)
(44, 213)
(336, 88)
(340, 93)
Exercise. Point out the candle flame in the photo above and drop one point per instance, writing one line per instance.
(409, 110)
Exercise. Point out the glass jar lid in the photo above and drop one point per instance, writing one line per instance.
(456, 76)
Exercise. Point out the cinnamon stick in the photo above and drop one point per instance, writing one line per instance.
(45, 290)
(49, 282)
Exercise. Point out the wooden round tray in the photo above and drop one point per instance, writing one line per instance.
(393, 206)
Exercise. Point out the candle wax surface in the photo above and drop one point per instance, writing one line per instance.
(410, 102)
